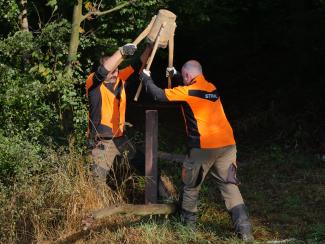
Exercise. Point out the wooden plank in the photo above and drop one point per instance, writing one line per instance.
(151, 156)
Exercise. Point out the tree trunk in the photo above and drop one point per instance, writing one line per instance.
(77, 18)
(129, 209)
(23, 21)
(74, 38)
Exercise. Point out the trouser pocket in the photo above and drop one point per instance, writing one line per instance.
(104, 154)
(192, 175)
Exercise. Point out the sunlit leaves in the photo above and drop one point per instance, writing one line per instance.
(9, 10)
(90, 7)
(51, 3)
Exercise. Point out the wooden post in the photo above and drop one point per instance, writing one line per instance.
(151, 184)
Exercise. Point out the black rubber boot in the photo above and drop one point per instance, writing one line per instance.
(241, 222)
(189, 219)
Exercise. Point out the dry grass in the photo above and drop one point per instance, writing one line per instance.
(50, 208)
(53, 204)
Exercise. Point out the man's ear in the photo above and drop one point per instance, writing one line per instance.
(188, 77)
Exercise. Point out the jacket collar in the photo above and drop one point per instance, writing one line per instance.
(200, 78)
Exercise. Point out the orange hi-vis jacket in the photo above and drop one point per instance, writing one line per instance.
(206, 123)
(107, 103)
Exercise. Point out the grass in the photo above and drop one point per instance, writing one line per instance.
(285, 194)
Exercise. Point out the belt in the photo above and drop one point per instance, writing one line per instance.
(105, 138)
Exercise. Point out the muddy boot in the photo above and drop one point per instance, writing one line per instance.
(241, 222)
(188, 219)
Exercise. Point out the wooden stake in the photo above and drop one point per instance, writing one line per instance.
(151, 184)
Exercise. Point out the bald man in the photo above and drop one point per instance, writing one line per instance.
(211, 144)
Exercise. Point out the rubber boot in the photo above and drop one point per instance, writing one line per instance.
(241, 222)
(189, 219)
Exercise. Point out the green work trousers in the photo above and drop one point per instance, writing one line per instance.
(221, 162)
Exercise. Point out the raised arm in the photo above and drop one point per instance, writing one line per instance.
(111, 63)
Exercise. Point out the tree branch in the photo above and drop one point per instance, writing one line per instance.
(100, 13)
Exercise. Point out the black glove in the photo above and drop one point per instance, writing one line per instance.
(128, 49)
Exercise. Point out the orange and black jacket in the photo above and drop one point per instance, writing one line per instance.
(206, 122)
(107, 101)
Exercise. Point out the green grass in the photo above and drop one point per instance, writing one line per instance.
(284, 192)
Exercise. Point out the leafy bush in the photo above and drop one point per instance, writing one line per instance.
(36, 92)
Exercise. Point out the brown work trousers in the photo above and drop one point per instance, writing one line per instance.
(105, 152)
(221, 162)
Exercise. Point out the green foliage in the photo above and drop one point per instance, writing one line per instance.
(318, 234)
(52, 3)
(19, 160)
(9, 11)
(35, 89)
(125, 24)
(20, 164)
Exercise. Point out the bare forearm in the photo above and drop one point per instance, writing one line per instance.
(113, 61)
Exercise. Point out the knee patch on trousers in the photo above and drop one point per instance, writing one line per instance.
(232, 175)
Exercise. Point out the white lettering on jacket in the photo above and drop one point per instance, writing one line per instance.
(210, 95)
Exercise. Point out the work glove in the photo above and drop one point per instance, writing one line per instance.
(170, 72)
(128, 49)
(145, 75)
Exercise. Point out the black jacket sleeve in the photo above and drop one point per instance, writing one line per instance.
(156, 93)
(136, 64)
(99, 76)
(177, 79)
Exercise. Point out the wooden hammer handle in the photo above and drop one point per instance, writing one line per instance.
(149, 62)
(171, 53)
(145, 32)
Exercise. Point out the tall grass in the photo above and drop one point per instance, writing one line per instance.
(51, 202)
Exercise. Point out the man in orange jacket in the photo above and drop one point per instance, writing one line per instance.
(105, 89)
(211, 144)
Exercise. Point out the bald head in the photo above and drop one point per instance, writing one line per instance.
(190, 70)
